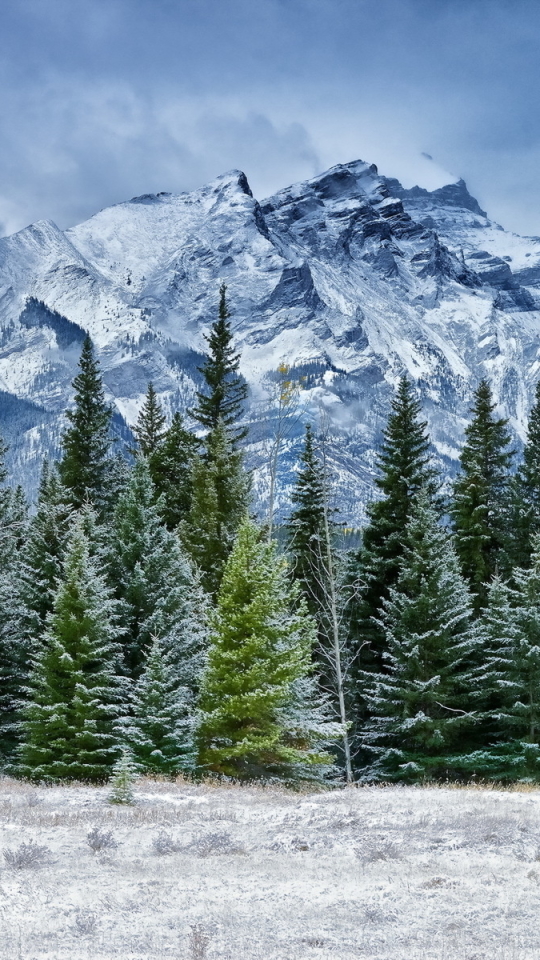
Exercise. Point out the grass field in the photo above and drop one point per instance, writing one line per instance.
(196, 872)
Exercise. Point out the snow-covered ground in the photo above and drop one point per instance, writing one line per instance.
(212, 872)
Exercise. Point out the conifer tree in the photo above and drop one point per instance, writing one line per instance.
(150, 428)
(124, 774)
(306, 527)
(480, 503)
(220, 499)
(420, 705)
(525, 511)
(151, 576)
(86, 442)
(43, 551)
(68, 723)
(404, 470)
(317, 570)
(171, 466)
(226, 390)
(258, 713)
(14, 649)
(160, 730)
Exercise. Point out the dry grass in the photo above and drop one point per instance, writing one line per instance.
(208, 872)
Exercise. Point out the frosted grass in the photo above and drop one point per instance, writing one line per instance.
(197, 871)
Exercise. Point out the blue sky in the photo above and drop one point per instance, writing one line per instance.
(101, 100)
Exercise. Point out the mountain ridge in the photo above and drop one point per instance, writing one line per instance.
(348, 275)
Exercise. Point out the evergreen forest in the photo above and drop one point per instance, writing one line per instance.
(151, 621)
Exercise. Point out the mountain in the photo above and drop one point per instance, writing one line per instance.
(349, 278)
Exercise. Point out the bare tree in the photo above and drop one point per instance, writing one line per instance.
(285, 403)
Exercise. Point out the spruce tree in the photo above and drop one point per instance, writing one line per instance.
(306, 528)
(226, 390)
(171, 466)
(525, 506)
(160, 730)
(480, 506)
(43, 551)
(404, 470)
(151, 576)
(14, 647)
(317, 569)
(220, 498)
(86, 442)
(150, 427)
(420, 705)
(258, 713)
(68, 725)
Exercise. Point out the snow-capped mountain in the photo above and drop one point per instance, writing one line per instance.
(348, 278)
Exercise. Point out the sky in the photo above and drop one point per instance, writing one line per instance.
(102, 100)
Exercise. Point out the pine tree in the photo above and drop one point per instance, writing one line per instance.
(151, 576)
(124, 774)
(160, 731)
(306, 527)
(258, 714)
(43, 551)
(420, 705)
(14, 649)
(171, 466)
(525, 508)
(404, 470)
(219, 501)
(86, 442)
(317, 570)
(481, 496)
(68, 723)
(150, 428)
(226, 390)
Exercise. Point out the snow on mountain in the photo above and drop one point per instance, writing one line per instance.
(349, 278)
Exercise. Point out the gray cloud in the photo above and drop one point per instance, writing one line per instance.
(104, 99)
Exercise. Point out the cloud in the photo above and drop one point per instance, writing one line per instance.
(104, 99)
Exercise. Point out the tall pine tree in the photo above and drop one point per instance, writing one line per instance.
(525, 516)
(68, 726)
(420, 705)
(259, 718)
(480, 506)
(151, 575)
(43, 551)
(86, 442)
(150, 427)
(171, 469)
(220, 498)
(404, 470)
(160, 730)
(223, 400)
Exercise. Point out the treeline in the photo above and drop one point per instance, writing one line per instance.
(144, 612)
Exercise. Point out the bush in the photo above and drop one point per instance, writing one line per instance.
(27, 855)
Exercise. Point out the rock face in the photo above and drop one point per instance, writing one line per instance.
(349, 278)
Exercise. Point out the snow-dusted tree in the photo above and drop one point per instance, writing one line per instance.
(320, 573)
(481, 496)
(259, 715)
(171, 469)
(405, 468)
(150, 574)
(13, 645)
(220, 499)
(160, 730)
(124, 774)
(86, 442)
(283, 413)
(68, 723)
(420, 707)
(223, 400)
(150, 427)
(43, 551)
(525, 514)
